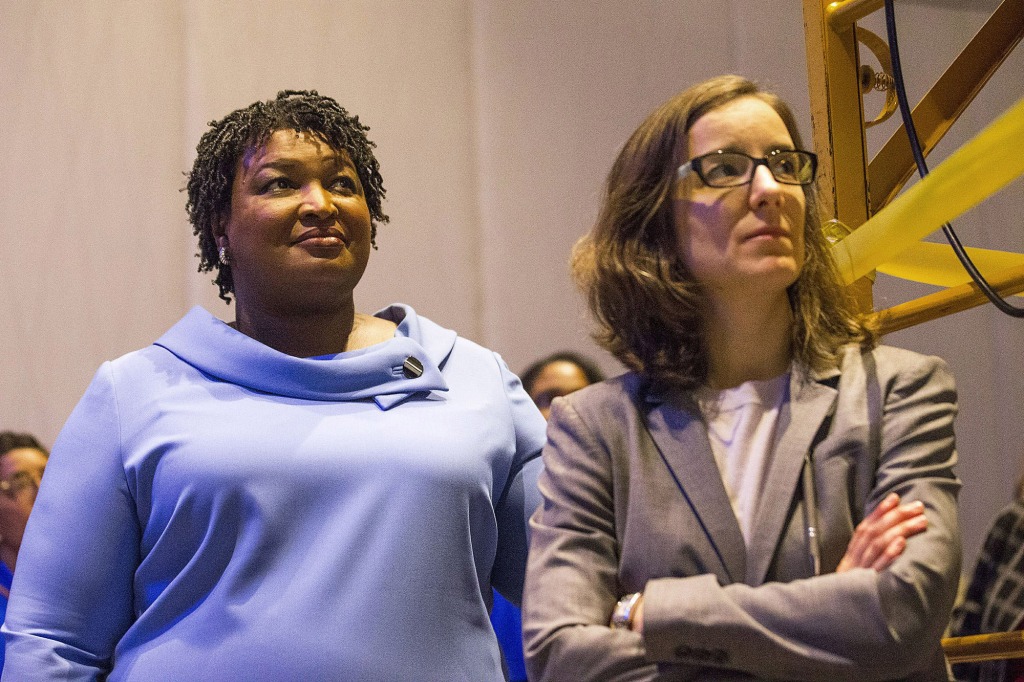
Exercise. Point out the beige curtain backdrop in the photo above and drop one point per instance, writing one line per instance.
(495, 124)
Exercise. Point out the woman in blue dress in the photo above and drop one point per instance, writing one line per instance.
(306, 493)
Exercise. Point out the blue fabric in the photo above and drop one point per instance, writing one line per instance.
(508, 625)
(5, 583)
(216, 510)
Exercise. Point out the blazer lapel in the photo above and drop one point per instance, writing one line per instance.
(809, 404)
(681, 438)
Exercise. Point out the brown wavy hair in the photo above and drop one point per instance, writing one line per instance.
(648, 307)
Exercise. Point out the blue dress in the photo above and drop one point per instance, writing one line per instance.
(216, 510)
(508, 624)
(5, 591)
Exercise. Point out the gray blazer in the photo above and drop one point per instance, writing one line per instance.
(633, 501)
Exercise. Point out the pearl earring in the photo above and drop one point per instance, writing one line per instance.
(223, 256)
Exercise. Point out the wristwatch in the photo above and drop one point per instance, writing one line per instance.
(622, 615)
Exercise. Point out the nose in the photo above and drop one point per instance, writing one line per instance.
(764, 188)
(317, 202)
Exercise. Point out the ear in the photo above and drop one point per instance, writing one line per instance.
(219, 229)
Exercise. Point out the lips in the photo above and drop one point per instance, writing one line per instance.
(767, 231)
(322, 237)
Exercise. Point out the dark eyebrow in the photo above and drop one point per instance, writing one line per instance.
(781, 147)
(273, 165)
(338, 163)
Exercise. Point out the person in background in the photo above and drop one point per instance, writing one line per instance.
(306, 493)
(22, 461)
(550, 377)
(557, 375)
(767, 493)
(994, 601)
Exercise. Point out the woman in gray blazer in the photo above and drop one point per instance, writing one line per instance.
(768, 494)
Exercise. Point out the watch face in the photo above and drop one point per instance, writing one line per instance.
(622, 615)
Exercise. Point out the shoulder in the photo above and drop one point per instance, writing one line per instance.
(625, 388)
(153, 360)
(462, 361)
(161, 364)
(888, 382)
(613, 401)
(901, 357)
(890, 365)
(446, 346)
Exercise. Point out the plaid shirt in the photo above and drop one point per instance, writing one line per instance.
(995, 597)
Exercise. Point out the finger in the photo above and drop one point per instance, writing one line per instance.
(870, 526)
(890, 554)
(874, 534)
(882, 547)
(874, 523)
(903, 518)
(906, 511)
(909, 528)
(888, 503)
(877, 524)
(871, 552)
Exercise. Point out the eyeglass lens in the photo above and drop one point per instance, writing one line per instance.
(727, 169)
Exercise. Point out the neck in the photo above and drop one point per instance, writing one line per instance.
(301, 334)
(747, 339)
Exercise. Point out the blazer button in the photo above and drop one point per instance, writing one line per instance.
(412, 368)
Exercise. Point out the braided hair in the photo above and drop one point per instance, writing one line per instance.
(217, 154)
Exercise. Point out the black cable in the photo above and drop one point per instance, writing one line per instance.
(922, 169)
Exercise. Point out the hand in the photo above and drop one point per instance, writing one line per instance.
(882, 536)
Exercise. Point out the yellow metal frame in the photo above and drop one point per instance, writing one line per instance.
(947, 99)
(837, 117)
(949, 301)
(991, 647)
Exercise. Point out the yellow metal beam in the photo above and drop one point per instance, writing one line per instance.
(949, 301)
(837, 119)
(947, 99)
(990, 647)
(843, 14)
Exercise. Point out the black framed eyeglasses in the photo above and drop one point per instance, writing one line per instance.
(731, 169)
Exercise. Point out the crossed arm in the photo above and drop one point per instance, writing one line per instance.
(877, 541)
